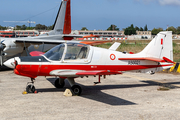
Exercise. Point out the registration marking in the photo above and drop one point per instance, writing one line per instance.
(134, 62)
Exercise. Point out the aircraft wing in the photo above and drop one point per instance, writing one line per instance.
(39, 41)
(49, 41)
(94, 42)
(150, 59)
(75, 73)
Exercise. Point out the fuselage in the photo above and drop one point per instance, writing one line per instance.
(94, 59)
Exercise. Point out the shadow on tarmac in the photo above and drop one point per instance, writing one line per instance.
(4, 68)
(94, 92)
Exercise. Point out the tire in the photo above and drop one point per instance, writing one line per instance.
(76, 89)
(59, 83)
(30, 89)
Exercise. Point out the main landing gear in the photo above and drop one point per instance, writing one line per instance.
(59, 83)
(76, 89)
(30, 86)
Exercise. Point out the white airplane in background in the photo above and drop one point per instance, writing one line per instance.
(12, 47)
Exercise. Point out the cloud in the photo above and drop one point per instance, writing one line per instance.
(162, 2)
(169, 2)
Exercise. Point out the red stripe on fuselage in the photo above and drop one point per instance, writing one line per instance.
(44, 70)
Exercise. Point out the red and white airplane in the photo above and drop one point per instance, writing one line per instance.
(72, 60)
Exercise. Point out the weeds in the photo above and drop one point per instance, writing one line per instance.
(138, 46)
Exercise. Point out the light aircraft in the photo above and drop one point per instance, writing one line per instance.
(72, 60)
(12, 47)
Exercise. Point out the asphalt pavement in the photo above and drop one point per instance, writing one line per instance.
(131, 96)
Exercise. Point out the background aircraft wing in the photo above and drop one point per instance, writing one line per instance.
(75, 73)
(50, 41)
(39, 41)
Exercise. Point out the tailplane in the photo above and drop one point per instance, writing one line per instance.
(160, 47)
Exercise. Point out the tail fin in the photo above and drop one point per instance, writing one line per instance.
(160, 46)
(62, 24)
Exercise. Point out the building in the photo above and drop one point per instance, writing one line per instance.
(99, 33)
(143, 34)
(26, 33)
(115, 34)
(7, 34)
(18, 33)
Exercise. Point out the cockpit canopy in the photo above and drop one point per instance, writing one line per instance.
(68, 51)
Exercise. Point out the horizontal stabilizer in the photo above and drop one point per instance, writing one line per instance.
(115, 46)
(150, 59)
(168, 60)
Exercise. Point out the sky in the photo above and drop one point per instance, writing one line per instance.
(94, 14)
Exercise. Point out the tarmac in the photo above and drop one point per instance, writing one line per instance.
(131, 96)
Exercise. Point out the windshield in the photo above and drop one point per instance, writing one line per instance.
(55, 53)
(76, 51)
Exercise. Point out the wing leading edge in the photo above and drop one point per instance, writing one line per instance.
(75, 73)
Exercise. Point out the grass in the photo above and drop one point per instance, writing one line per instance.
(162, 88)
(139, 45)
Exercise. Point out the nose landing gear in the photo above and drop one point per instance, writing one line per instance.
(30, 86)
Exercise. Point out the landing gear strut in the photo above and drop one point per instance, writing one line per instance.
(76, 89)
(99, 80)
(30, 86)
(59, 83)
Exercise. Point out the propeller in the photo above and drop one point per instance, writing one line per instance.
(2, 46)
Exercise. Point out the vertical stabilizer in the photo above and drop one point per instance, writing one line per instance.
(160, 46)
(62, 24)
(67, 22)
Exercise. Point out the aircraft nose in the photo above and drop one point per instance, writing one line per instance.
(10, 63)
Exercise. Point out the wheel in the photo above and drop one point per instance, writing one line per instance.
(59, 83)
(76, 90)
(30, 89)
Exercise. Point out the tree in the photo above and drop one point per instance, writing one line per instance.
(18, 27)
(156, 31)
(130, 30)
(113, 28)
(137, 28)
(141, 29)
(84, 28)
(23, 27)
(145, 28)
(30, 28)
(178, 30)
(50, 27)
(172, 29)
(2, 28)
(40, 27)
